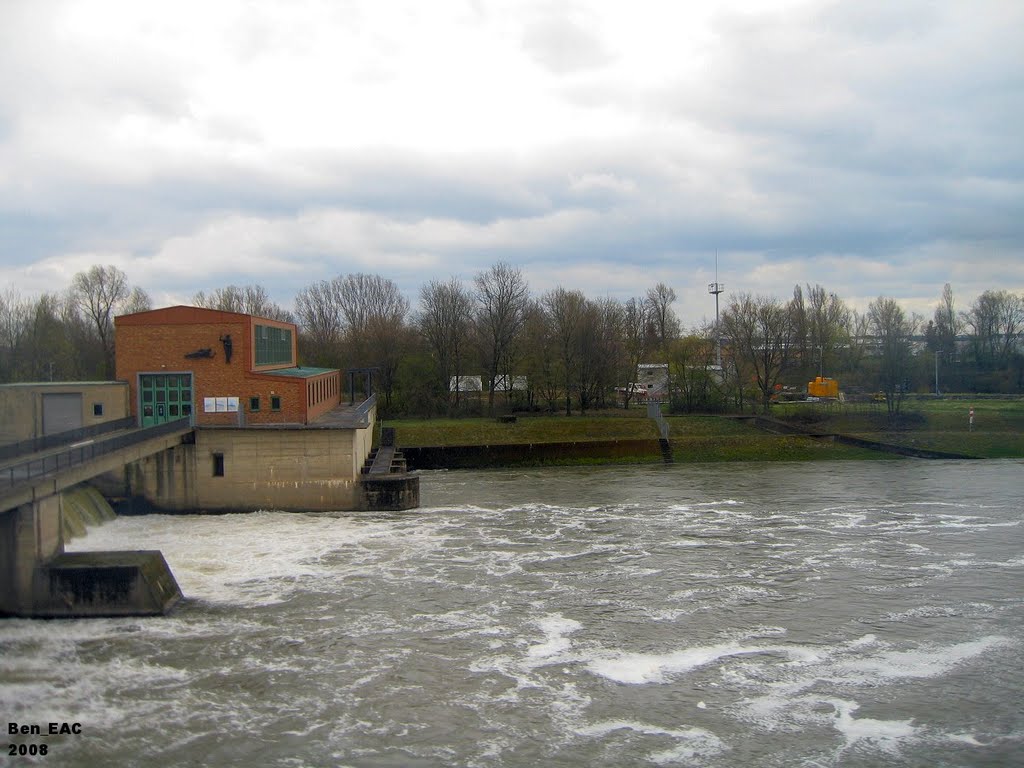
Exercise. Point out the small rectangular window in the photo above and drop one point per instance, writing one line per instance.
(254, 403)
(275, 402)
(218, 465)
(97, 409)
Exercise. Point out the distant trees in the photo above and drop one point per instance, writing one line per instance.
(996, 320)
(502, 297)
(948, 324)
(318, 314)
(97, 291)
(821, 323)
(660, 314)
(445, 322)
(893, 330)
(565, 314)
(760, 332)
(66, 334)
(696, 380)
(247, 300)
(376, 334)
(561, 350)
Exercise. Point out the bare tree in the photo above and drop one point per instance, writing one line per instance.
(247, 300)
(635, 318)
(376, 334)
(694, 371)
(540, 357)
(138, 301)
(660, 299)
(893, 330)
(601, 351)
(320, 321)
(996, 319)
(828, 319)
(502, 299)
(15, 315)
(947, 322)
(565, 315)
(97, 291)
(760, 331)
(444, 320)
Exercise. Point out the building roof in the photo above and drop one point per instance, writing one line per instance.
(63, 383)
(185, 315)
(301, 372)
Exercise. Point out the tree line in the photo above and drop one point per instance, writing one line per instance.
(560, 350)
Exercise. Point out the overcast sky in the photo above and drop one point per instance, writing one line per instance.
(874, 147)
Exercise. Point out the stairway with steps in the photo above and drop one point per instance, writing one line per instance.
(386, 459)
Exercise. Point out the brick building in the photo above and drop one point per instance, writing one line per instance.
(218, 368)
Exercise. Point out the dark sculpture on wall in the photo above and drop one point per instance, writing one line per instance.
(206, 352)
(226, 341)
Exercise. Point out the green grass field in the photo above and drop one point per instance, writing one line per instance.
(527, 429)
(940, 425)
(933, 424)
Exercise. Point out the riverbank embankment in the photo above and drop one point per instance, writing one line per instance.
(952, 428)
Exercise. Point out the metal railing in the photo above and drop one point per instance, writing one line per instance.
(654, 412)
(361, 417)
(36, 444)
(76, 455)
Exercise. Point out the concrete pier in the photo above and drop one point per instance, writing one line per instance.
(39, 579)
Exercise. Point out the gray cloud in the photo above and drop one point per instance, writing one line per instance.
(872, 148)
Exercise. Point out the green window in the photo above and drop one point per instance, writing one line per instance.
(275, 402)
(273, 345)
(254, 403)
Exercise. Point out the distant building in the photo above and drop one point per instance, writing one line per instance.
(465, 384)
(652, 378)
(218, 368)
(501, 384)
(34, 410)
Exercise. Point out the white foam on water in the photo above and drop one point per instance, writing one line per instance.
(644, 668)
(693, 743)
(219, 560)
(555, 628)
(919, 663)
(886, 735)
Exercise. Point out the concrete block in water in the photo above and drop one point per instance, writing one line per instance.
(390, 492)
(81, 584)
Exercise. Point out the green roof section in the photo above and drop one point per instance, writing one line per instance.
(301, 372)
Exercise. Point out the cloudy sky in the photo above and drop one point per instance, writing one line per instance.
(874, 147)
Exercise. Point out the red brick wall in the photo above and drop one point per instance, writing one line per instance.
(154, 342)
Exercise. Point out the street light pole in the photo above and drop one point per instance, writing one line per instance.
(716, 288)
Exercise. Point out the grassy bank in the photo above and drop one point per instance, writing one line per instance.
(525, 430)
(929, 423)
(692, 438)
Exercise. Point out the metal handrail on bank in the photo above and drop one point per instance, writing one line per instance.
(30, 469)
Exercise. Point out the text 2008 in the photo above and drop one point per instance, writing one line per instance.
(24, 750)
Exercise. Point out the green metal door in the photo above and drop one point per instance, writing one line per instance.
(164, 397)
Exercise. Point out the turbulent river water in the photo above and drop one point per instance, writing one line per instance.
(836, 614)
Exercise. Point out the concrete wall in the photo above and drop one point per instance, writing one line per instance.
(288, 469)
(29, 536)
(21, 405)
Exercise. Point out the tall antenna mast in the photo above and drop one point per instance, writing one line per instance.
(716, 288)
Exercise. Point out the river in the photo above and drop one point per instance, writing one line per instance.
(826, 614)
